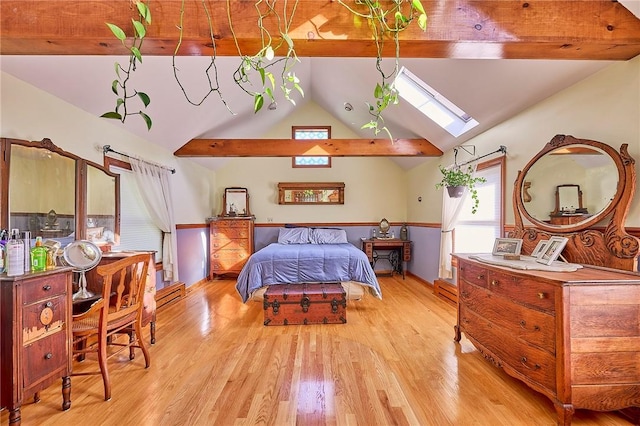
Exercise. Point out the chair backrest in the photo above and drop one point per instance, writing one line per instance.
(124, 286)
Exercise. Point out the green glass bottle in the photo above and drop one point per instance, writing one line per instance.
(38, 256)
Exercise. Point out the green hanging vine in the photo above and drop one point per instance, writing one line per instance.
(119, 86)
(386, 18)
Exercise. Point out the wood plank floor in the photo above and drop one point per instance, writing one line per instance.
(393, 363)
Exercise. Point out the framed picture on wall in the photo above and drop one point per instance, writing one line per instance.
(552, 250)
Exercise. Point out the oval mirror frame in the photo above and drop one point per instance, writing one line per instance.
(521, 192)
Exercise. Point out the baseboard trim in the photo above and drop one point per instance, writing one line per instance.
(170, 293)
(446, 291)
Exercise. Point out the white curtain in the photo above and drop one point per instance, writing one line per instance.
(451, 208)
(153, 181)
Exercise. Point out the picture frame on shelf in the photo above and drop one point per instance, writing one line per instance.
(540, 247)
(507, 246)
(552, 250)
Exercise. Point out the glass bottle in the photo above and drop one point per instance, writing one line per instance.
(38, 256)
(15, 254)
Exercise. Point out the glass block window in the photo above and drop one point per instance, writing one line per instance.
(309, 133)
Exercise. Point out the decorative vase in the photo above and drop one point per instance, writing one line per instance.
(455, 191)
(404, 232)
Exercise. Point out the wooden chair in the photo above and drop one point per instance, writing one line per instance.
(119, 311)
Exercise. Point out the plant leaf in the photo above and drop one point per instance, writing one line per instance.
(144, 98)
(117, 31)
(271, 79)
(136, 53)
(111, 114)
(140, 29)
(418, 5)
(422, 22)
(147, 119)
(261, 71)
(258, 101)
(299, 89)
(144, 11)
(114, 86)
(269, 53)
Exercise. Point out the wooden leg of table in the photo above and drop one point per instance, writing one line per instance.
(66, 393)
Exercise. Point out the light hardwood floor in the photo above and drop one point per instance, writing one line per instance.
(393, 362)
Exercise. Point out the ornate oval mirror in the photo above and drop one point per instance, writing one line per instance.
(384, 228)
(570, 185)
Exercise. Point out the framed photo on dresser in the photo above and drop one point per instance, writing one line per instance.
(552, 250)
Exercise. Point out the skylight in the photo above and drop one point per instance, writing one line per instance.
(432, 104)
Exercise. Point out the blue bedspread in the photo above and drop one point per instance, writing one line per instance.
(304, 263)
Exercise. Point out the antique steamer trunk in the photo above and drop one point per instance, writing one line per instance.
(316, 303)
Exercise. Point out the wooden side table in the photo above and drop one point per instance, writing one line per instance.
(400, 252)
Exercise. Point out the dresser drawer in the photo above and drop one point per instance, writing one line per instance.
(228, 260)
(228, 244)
(227, 224)
(43, 317)
(44, 357)
(535, 364)
(523, 290)
(473, 273)
(43, 288)
(231, 233)
(532, 326)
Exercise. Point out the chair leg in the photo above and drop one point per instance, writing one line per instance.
(102, 360)
(132, 339)
(143, 346)
(152, 330)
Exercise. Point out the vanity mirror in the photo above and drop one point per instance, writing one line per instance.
(582, 189)
(235, 202)
(55, 194)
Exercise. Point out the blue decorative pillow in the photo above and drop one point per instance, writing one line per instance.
(294, 236)
(328, 236)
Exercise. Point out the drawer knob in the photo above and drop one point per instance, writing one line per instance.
(49, 304)
(542, 295)
(46, 287)
(523, 361)
(494, 282)
(523, 323)
(48, 355)
(480, 277)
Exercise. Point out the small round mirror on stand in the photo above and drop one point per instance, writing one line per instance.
(384, 228)
(82, 255)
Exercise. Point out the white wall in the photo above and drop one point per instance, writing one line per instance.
(374, 187)
(604, 107)
(32, 114)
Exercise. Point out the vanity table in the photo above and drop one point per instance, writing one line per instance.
(572, 336)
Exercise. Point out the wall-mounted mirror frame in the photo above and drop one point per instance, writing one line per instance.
(81, 189)
(601, 238)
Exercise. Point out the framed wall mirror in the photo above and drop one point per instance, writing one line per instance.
(55, 194)
(235, 202)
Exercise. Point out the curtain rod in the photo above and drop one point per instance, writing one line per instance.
(502, 149)
(107, 148)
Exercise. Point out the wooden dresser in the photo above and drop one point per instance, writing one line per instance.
(230, 244)
(573, 336)
(35, 336)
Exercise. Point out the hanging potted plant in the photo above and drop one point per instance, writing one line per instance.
(456, 180)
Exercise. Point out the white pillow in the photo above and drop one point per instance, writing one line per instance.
(294, 236)
(328, 236)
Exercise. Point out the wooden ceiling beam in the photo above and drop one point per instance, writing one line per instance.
(507, 29)
(296, 147)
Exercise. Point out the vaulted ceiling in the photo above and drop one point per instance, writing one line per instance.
(492, 58)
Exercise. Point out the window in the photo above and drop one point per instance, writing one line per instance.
(433, 104)
(137, 230)
(307, 133)
(476, 233)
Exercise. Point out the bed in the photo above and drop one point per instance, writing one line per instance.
(307, 255)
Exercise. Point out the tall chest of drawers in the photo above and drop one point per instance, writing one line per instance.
(573, 336)
(35, 332)
(231, 244)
